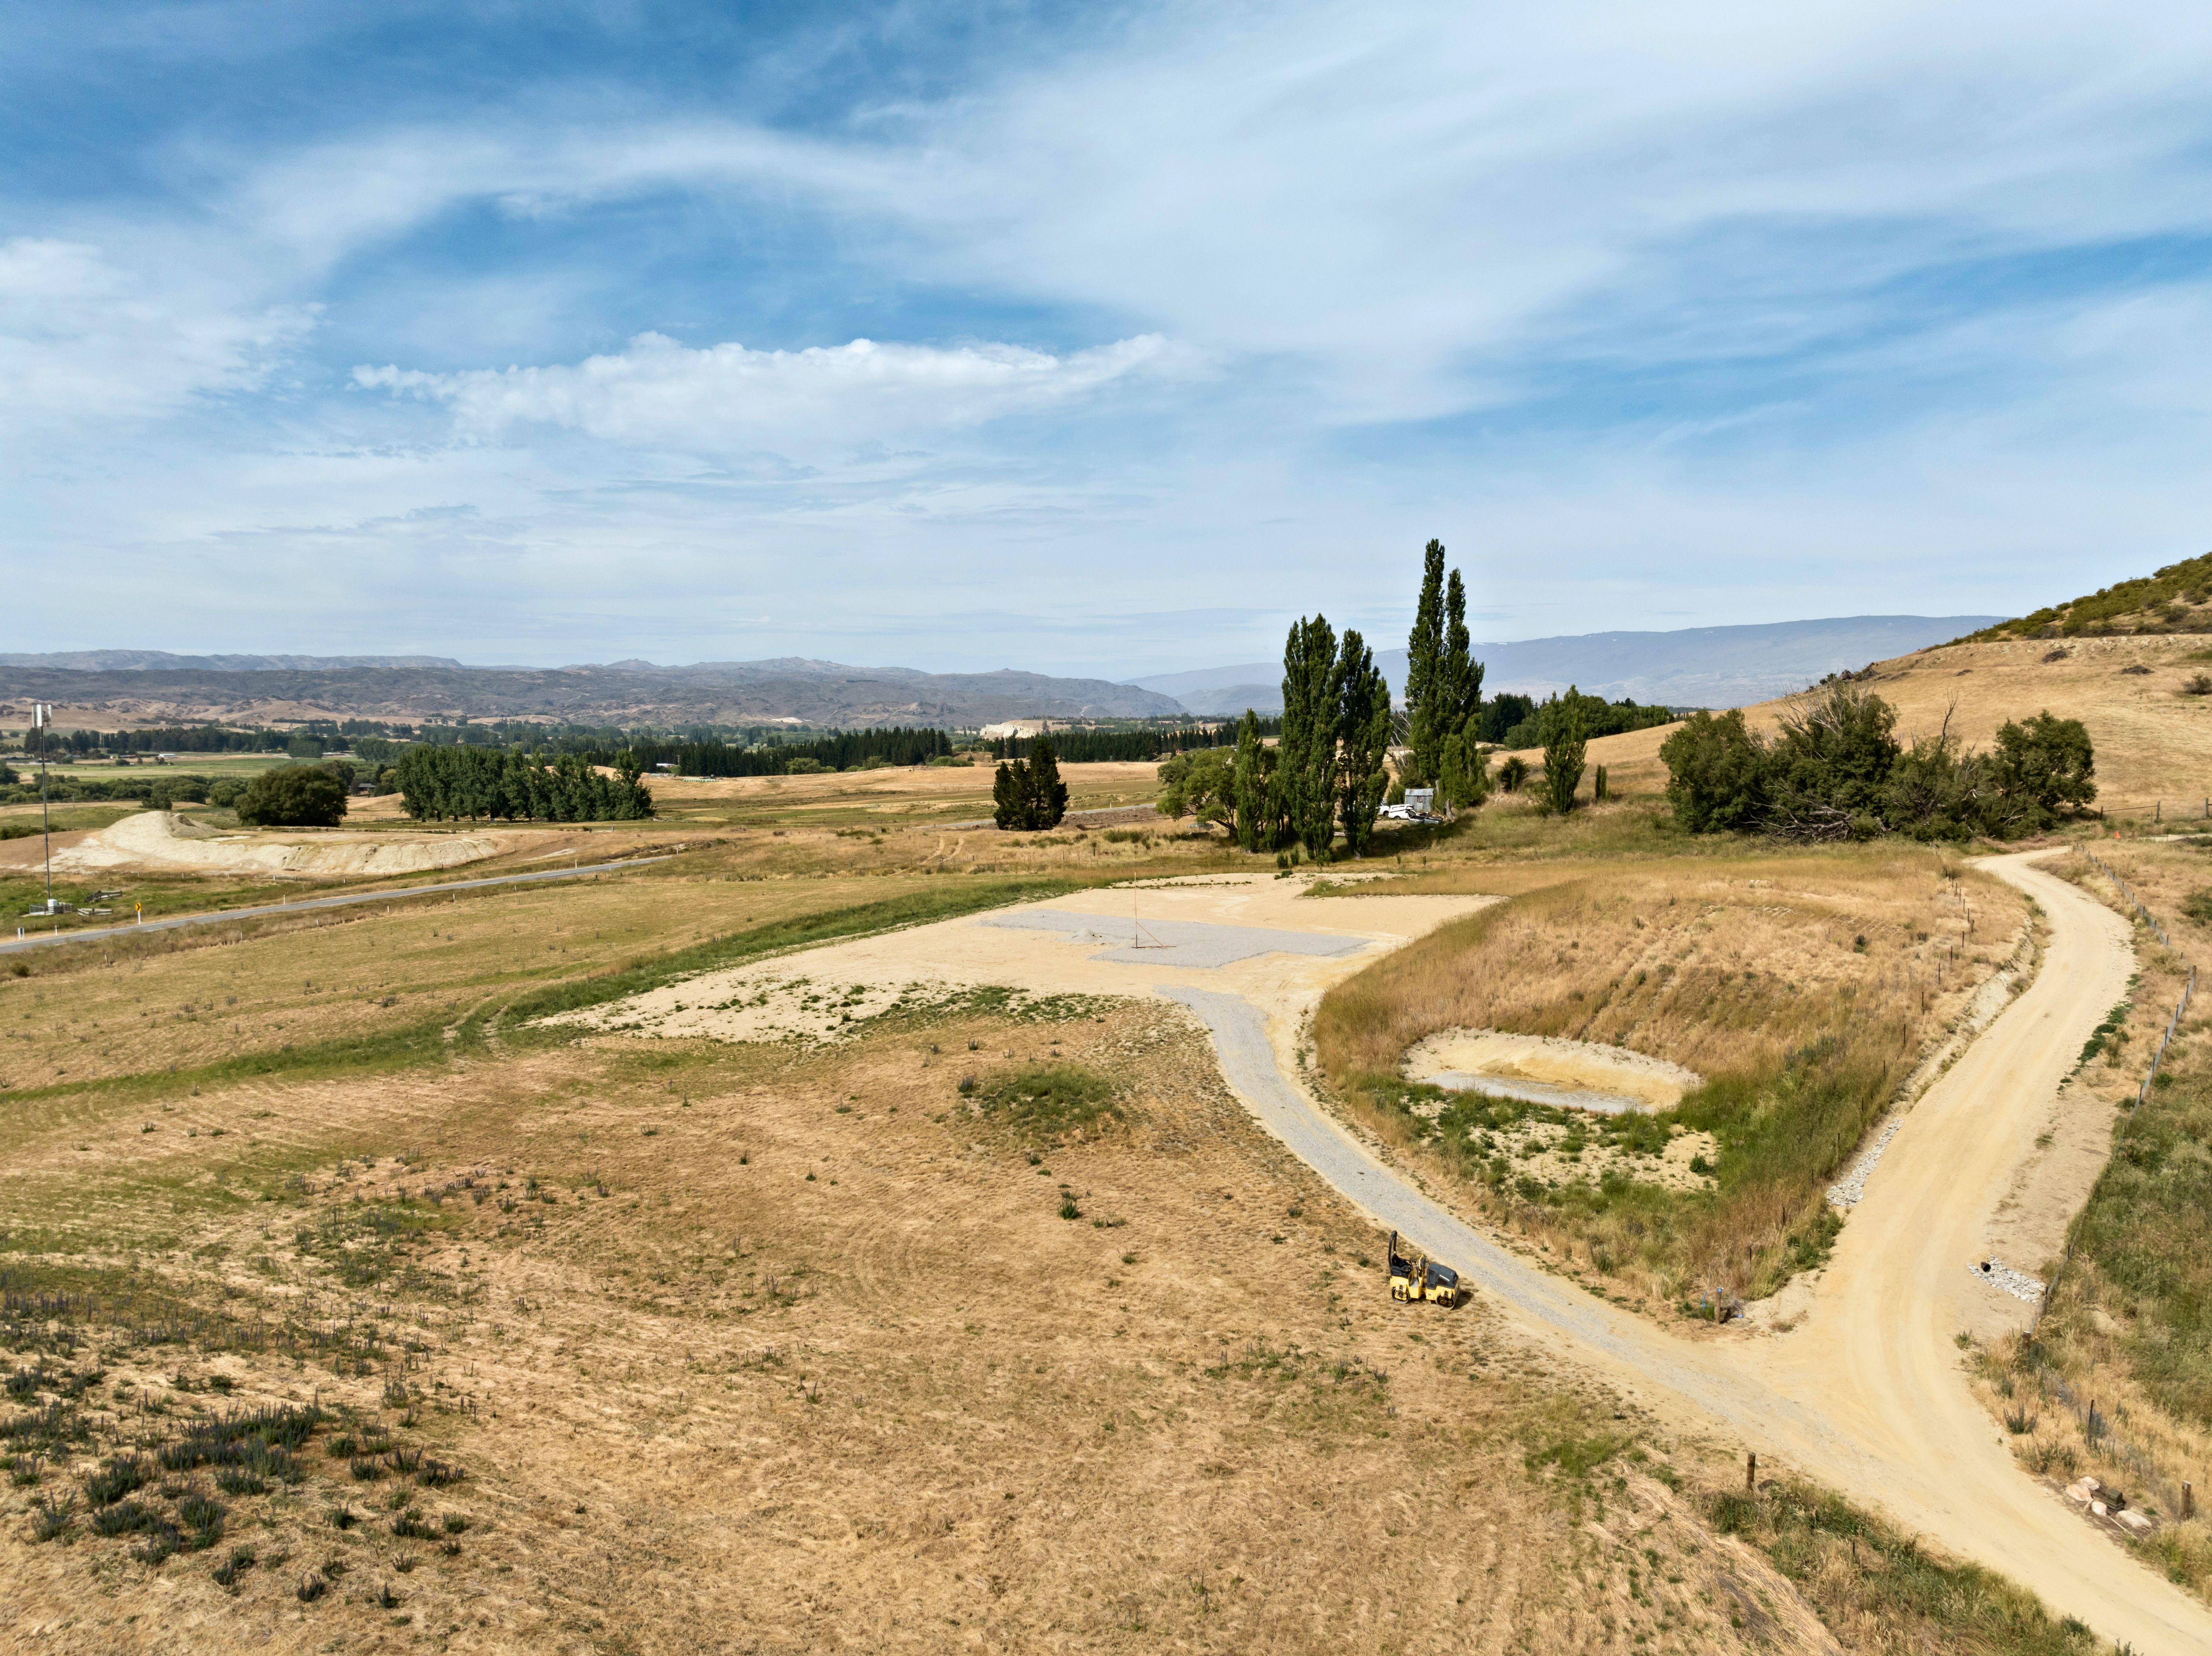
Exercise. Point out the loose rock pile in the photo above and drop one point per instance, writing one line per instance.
(2018, 1283)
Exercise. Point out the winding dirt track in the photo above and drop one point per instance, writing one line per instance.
(1875, 1356)
(1866, 1395)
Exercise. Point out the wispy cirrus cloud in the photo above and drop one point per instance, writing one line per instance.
(657, 393)
(84, 339)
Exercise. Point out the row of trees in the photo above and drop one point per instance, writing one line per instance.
(204, 739)
(1102, 746)
(1028, 793)
(1835, 770)
(712, 756)
(1326, 773)
(1596, 716)
(1329, 772)
(468, 782)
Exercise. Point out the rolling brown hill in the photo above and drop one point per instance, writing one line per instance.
(2152, 733)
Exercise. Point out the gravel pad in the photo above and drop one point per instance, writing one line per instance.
(1179, 943)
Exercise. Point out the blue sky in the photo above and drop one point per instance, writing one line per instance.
(1096, 340)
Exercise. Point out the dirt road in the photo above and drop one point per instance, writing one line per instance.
(1866, 1394)
(1875, 1356)
(262, 910)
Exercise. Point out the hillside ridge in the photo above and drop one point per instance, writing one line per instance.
(2175, 600)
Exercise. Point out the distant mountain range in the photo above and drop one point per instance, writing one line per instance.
(1696, 667)
(104, 661)
(1702, 666)
(416, 690)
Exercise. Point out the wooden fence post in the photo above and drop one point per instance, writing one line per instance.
(1750, 1473)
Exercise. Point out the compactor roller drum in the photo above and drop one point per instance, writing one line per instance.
(1415, 1276)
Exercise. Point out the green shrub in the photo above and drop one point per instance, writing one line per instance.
(292, 796)
(1835, 770)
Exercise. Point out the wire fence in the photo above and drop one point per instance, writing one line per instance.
(2152, 918)
(2172, 1023)
(2098, 1431)
(2096, 1427)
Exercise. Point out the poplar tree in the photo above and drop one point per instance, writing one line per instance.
(1306, 769)
(1425, 649)
(1362, 739)
(1459, 677)
(1255, 822)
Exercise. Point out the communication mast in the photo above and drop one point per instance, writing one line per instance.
(42, 719)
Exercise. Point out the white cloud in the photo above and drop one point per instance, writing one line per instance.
(1390, 195)
(1601, 223)
(81, 338)
(728, 400)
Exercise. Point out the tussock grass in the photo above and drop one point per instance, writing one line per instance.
(1801, 1051)
(1881, 1591)
(1047, 1101)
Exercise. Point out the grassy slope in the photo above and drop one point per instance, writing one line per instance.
(1858, 972)
(2176, 599)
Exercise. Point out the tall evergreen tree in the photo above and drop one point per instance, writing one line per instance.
(1425, 649)
(1255, 823)
(1363, 740)
(1459, 675)
(1306, 770)
(1047, 794)
(1009, 802)
(1028, 793)
(1563, 750)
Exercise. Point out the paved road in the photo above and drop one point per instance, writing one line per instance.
(1868, 1395)
(174, 922)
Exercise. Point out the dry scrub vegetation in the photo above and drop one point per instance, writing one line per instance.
(1805, 988)
(510, 1337)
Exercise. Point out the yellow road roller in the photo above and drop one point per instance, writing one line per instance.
(1415, 1276)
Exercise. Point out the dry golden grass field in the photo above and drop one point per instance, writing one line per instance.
(345, 1307)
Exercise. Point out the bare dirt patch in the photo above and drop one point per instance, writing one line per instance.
(156, 841)
(1614, 1078)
